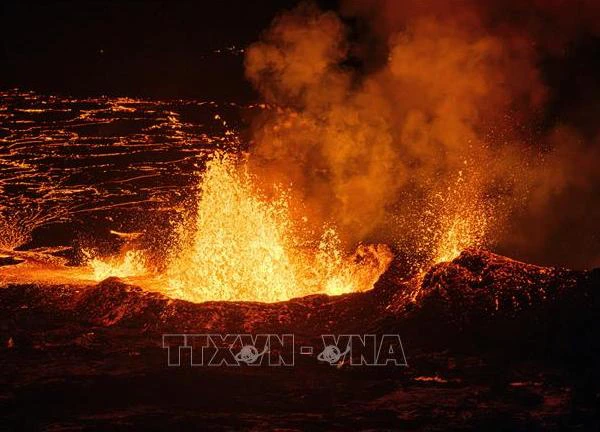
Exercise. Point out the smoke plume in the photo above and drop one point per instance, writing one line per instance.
(401, 121)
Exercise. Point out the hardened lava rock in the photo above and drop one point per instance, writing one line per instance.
(480, 297)
(495, 302)
(490, 342)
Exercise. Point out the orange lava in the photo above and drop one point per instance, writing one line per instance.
(239, 245)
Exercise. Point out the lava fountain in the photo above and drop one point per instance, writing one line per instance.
(241, 245)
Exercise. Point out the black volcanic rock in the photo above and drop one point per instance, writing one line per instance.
(478, 291)
(485, 301)
(490, 343)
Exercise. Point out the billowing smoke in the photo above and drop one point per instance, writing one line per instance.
(394, 119)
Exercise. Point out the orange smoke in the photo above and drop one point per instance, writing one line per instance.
(371, 130)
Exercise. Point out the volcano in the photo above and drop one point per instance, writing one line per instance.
(211, 222)
(490, 342)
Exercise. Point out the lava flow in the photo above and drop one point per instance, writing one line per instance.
(227, 233)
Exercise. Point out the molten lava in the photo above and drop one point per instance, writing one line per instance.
(462, 220)
(130, 264)
(239, 245)
(241, 239)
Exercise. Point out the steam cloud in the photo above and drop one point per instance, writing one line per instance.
(390, 115)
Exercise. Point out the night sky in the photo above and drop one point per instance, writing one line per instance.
(171, 49)
(133, 48)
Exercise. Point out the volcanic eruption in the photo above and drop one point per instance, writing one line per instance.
(388, 147)
(428, 150)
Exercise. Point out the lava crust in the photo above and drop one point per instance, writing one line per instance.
(489, 342)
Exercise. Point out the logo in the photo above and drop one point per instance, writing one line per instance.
(363, 350)
(332, 355)
(235, 350)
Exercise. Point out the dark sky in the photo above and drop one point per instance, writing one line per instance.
(157, 48)
(137, 48)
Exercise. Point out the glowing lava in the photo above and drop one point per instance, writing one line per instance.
(131, 264)
(462, 231)
(236, 243)
(462, 219)
(239, 245)
(245, 247)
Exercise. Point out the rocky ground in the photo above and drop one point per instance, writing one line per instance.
(491, 344)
